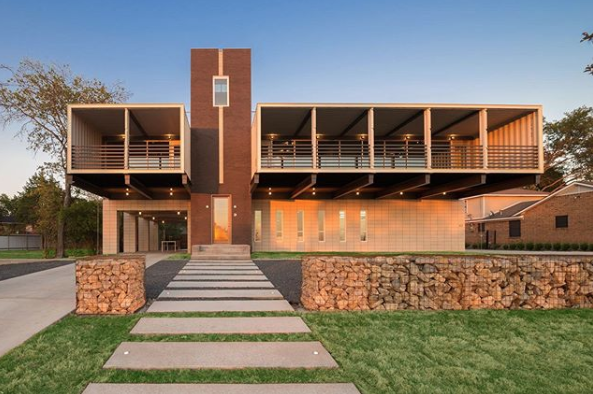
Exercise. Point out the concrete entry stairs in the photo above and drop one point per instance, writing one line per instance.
(218, 252)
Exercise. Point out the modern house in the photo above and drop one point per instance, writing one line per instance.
(302, 177)
(565, 216)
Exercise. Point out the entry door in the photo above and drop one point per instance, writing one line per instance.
(221, 220)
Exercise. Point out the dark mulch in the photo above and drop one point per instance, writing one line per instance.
(8, 271)
(286, 275)
(158, 276)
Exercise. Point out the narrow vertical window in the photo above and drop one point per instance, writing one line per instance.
(257, 227)
(300, 226)
(279, 224)
(342, 226)
(221, 91)
(363, 226)
(321, 226)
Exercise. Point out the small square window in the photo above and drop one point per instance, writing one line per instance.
(562, 221)
(221, 91)
(514, 229)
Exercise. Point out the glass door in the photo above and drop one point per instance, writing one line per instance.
(221, 220)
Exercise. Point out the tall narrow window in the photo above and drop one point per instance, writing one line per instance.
(257, 227)
(221, 91)
(342, 226)
(363, 226)
(321, 226)
(279, 224)
(300, 226)
(514, 229)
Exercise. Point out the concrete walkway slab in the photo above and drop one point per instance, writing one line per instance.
(219, 272)
(282, 388)
(220, 285)
(220, 355)
(231, 262)
(220, 325)
(222, 293)
(221, 268)
(220, 277)
(220, 306)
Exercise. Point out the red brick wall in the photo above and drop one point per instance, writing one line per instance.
(539, 223)
(205, 144)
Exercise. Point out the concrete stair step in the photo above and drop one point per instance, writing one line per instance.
(221, 268)
(219, 325)
(189, 388)
(220, 306)
(219, 285)
(219, 355)
(186, 271)
(254, 294)
(220, 277)
(215, 257)
(221, 249)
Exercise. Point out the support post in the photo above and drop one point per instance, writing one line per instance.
(483, 124)
(428, 138)
(126, 139)
(371, 136)
(314, 137)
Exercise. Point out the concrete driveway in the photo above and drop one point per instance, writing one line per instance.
(30, 303)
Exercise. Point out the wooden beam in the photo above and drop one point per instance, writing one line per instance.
(137, 186)
(404, 123)
(451, 187)
(254, 183)
(137, 123)
(401, 187)
(355, 185)
(302, 125)
(88, 186)
(353, 123)
(305, 185)
(520, 181)
(186, 183)
(455, 123)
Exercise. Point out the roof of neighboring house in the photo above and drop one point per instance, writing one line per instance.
(511, 211)
(517, 191)
(519, 208)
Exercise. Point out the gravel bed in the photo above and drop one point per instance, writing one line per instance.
(286, 276)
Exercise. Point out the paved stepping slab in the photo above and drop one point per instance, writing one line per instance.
(219, 285)
(220, 325)
(222, 293)
(220, 355)
(219, 272)
(285, 388)
(219, 262)
(215, 267)
(220, 277)
(220, 306)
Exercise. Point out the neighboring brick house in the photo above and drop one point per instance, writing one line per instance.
(565, 216)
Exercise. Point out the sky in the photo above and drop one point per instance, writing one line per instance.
(502, 52)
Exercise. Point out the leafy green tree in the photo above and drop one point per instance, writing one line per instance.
(82, 220)
(36, 96)
(569, 147)
(588, 37)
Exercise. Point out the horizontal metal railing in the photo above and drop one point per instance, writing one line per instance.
(141, 156)
(513, 157)
(287, 154)
(398, 154)
(343, 154)
(446, 156)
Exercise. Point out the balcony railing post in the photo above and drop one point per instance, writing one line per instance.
(483, 125)
(428, 138)
(371, 137)
(314, 137)
(127, 139)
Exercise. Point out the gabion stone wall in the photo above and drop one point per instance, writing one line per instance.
(110, 285)
(447, 282)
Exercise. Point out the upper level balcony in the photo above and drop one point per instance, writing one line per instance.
(114, 147)
(439, 140)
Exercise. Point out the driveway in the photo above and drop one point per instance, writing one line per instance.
(30, 303)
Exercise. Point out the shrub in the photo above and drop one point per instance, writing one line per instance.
(512, 246)
(505, 246)
(538, 246)
(557, 246)
(468, 246)
(574, 246)
(548, 246)
(565, 247)
(590, 247)
(584, 246)
(529, 246)
(494, 246)
(520, 246)
(79, 252)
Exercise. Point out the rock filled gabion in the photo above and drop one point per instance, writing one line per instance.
(447, 282)
(110, 285)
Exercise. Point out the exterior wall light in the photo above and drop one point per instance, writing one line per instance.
(140, 213)
(178, 213)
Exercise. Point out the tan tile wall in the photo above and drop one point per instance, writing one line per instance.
(129, 233)
(393, 225)
(111, 207)
(143, 235)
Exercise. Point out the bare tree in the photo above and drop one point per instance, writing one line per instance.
(36, 96)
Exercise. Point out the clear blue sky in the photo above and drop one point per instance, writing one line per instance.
(303, 51)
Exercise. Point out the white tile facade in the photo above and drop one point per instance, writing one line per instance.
(392, 225)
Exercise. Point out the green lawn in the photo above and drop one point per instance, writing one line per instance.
(38, 254)
(381, 352)
(299, 255)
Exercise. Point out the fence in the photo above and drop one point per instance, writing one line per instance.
(20, 242)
